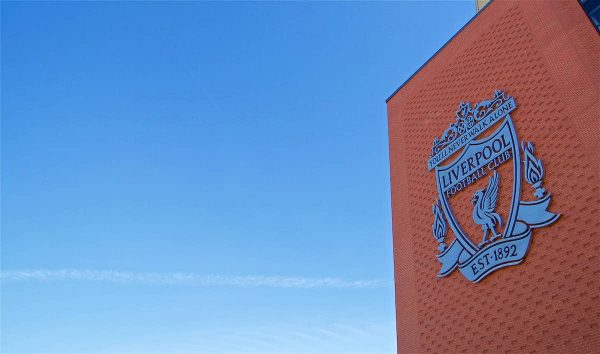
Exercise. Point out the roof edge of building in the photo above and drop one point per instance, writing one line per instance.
(439, 50)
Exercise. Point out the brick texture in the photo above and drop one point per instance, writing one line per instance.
(547, 56)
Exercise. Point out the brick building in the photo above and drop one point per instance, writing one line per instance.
(545, 55)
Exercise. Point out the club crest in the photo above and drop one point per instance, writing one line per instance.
(479, 164)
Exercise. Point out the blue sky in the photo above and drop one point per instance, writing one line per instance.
(203, 177)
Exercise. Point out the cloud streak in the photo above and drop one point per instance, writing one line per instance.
(194, 279)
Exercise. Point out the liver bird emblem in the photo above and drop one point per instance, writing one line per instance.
(484, 214)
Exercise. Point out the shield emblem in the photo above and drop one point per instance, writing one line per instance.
(477, 163)
(495, 157)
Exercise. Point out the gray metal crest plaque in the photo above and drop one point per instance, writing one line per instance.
(481, 141)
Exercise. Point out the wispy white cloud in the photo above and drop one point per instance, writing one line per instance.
(188, 279)
(292, 338)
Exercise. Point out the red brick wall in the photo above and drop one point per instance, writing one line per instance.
(547, 56)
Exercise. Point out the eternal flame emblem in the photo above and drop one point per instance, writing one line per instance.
(497, 232)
